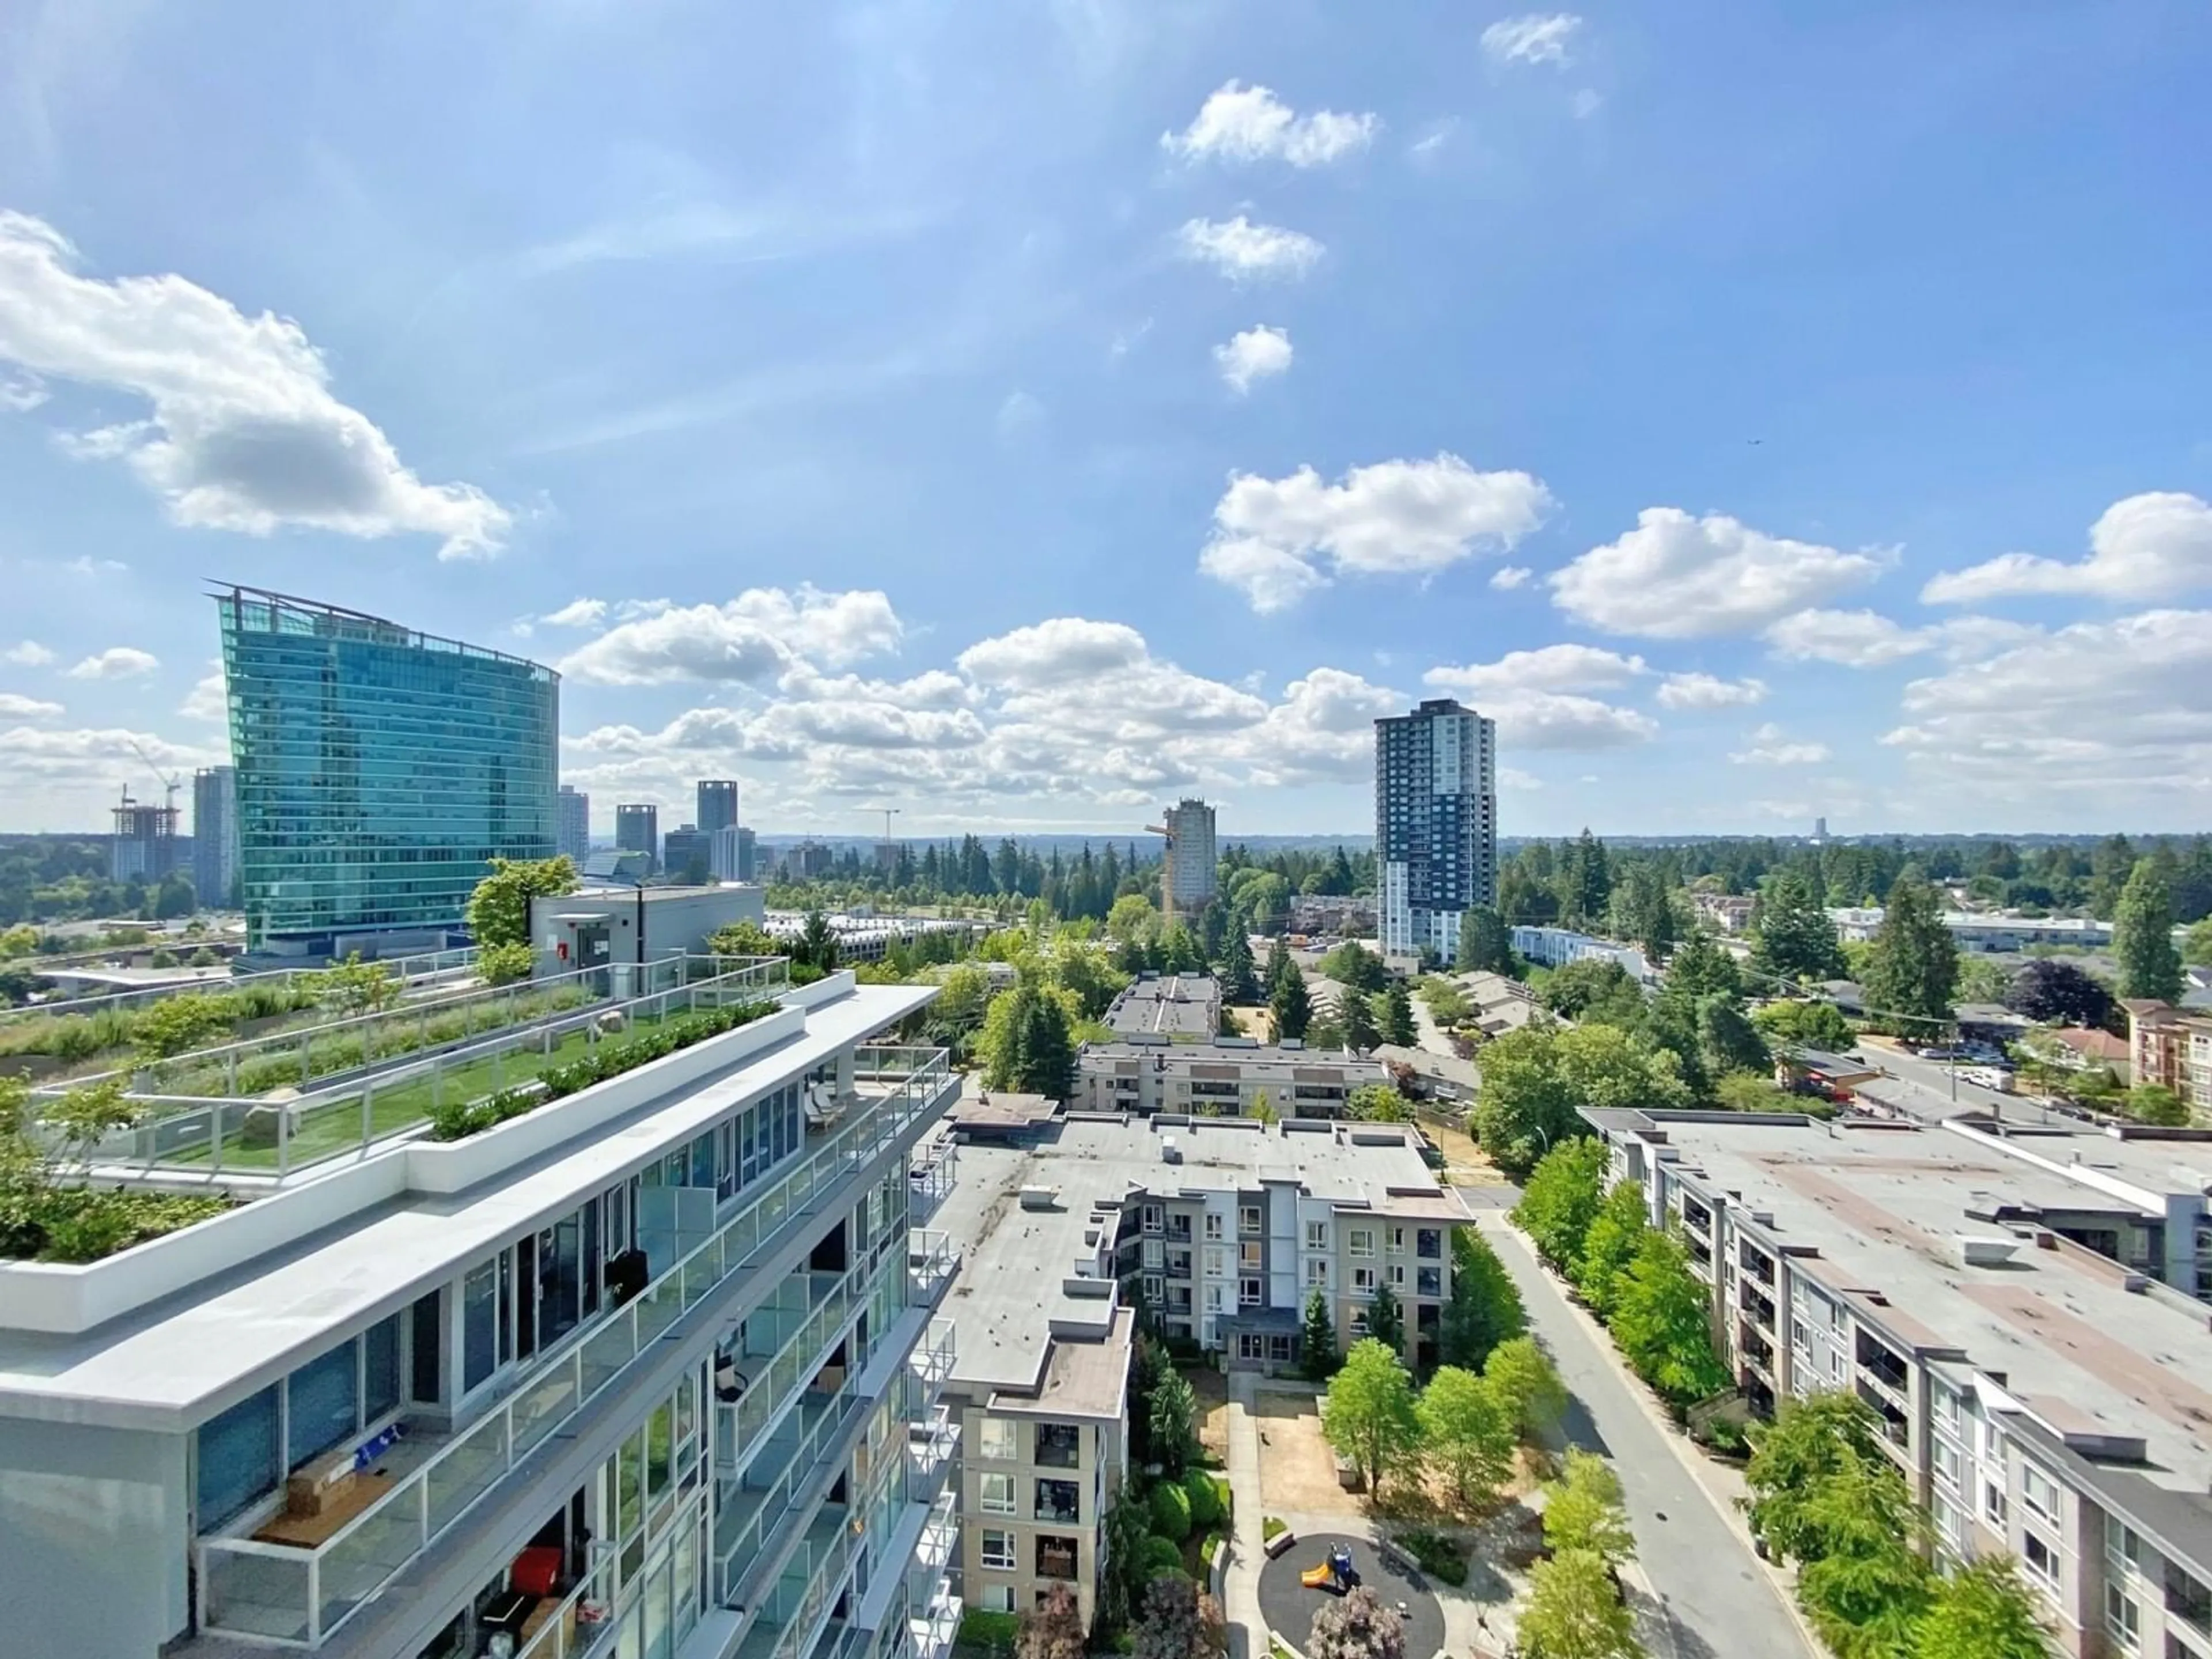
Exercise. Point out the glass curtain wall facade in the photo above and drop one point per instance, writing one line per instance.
(379, 769)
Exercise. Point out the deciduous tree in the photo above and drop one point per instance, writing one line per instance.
(1561, 1198)
(1615, 1237)
(1485, 1307)
(1386, 1320)
(1584, 1509)
(1053, 1629)
(1356, 1625)
(1527, 1387)
(2049, 990)
(499, 908)
(1818, 1026)
(1368, 1414)
(1983, 1610)
(1575, 1612)
(1660, 1318)
(1464, 1435)
(1171, 1413)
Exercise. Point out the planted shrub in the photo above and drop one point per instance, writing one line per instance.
(1170, 1507)
(1161, 1555)
(1206, 1507)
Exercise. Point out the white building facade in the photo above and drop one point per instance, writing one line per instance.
(1189, 881)
(1436, 823)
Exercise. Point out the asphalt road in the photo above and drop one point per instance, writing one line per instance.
(1718, 1602)
(1930, 1098)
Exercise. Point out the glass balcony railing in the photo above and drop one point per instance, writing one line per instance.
(802, 1354)
(932, 1261)
(750, 1519)
(297, 1598)
(936, 1623)
(932, 1359)
(793, 1611)
(940, 1534)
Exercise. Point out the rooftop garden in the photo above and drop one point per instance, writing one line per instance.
(48, 1212)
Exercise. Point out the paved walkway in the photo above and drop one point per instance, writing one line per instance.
(1240, 1590)
(1706, 1594)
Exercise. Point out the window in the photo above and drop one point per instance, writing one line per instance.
(1946, 1403)
(325, 1395)
(998, 1598)
(1248, 1253)
(1397, 1240)
(1154, 1254)
(1248, 1292)
(1250, 1345)
(1059, 1500)
(2122, 1548)
(1059, 1445)
(997, 1494)
(1363, 1279)
(238, 1454)
(1212, 1223)
(1397, 1275)
(1428, 1244)
(1360, 1241)
(2122, 1618)
(1428, 1281)
(480, 1331)
(1055, 1557)
(2039, 1492)
(1317, 1273)
(1156, 1218)
(1216, 1297)
(379, 1369)
(998, 1549)
(1217, 1261)
(2042, 1559)
(1155, 1287)
(1248, 1219)
(1946, 1458)
(1000, 1442)
(1993, 1502)
(1279, 1347)
(1316, 1235)
(1797, 1339)
(1836, 1364)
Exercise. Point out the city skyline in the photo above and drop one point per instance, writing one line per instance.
(1200, 393)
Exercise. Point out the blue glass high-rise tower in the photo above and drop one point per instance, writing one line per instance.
(378, 770)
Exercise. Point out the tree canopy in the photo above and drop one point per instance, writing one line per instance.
(2142, 936)
(1368, 1415)
(499, 908)
(2050, 991)
(1466, 1436)
(1561, 1198)
(1913, 967)
(1792, 937)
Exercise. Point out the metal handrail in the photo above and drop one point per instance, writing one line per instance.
(590, 1361)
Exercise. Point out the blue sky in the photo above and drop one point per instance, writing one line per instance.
(1023, 411)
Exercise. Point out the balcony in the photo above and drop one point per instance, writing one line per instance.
(932, 1261)
(1059, 1501)
(941, 1535)
(791, 1614)
(1759, 1308)
(931, 1445)
(1883, 1366)
(2188, 1602)
(1756, 1264)
(935, 1623)
(1178, 1230)
(1697, 1220)
(1896, 1430)
(932, 1358)
(1056, 1557)
(1758, 1353)
(931, 1178)
(779, 1490)
(800, 1358)
(1058, 1446)
(297, 1598)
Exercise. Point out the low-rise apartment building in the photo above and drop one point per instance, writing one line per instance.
(2041, 1397)
(1229, 1076)
(1038, 1389)
(649, 1369)
(1184, 1007)
(2173, 1046)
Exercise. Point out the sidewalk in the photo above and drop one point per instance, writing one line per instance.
(1240, 1590)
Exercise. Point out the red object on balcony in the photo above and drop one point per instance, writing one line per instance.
(536, 1570)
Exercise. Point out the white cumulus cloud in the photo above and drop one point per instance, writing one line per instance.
(27, 653)
(1506, 577)
(1534, 696)
(1239, 122)
(1534, 37)
(1866, 639)
(2154, 546)
(751, 640)
(15, 706)
(1271, 535)
(1700, 690)
(242, 432)
(1254, 354)
(577, 613)
(1771, 746)
(118, 662)
(1548, 668)
(1679, 577)
(1242, 250)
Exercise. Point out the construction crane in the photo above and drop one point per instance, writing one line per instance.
(171, 783)
(887, 849)
(1167, 872)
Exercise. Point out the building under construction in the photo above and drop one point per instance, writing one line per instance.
(144, 844)
(1187, 882)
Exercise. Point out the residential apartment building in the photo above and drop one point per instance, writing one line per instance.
(2173, 1046)
(215, 835)
(1227, 1077)
(2039, 1397)
(1188, 881)
(637, 829)
(1436, 823)
(718, 805)
(572, 828)
(646, 1371)
(1175, 1005)
(378, 770)
(683, 846)
(1555, 947)
(1038, 1391)
(1222, 1227)
(1725, 913)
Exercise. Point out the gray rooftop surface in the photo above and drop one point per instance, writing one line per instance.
(1883, 1209)
(1170, 1004)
